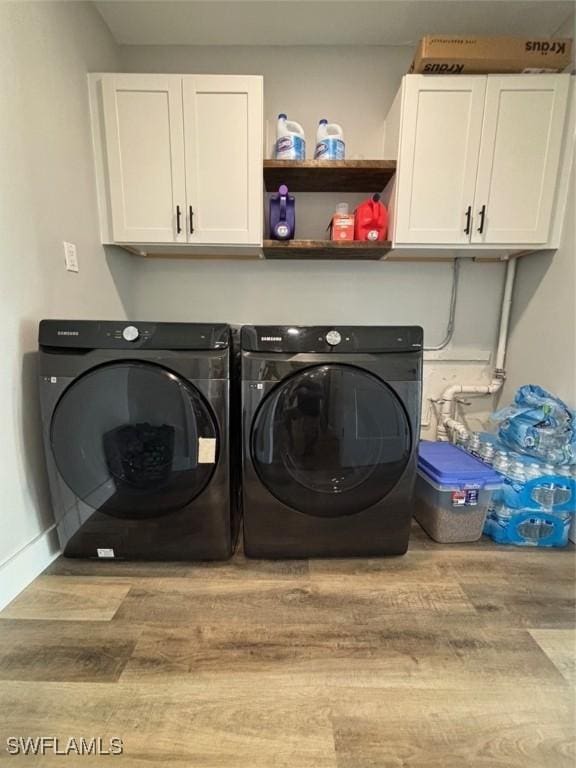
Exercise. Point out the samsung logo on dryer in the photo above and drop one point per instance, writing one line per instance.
(68, 333)
(270, 338)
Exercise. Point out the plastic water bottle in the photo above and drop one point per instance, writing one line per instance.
(505, 512)
(473, 444)
(461, 439)
(533, 471)
(486, 452)
(290, 140)
(500, 463)
(329, 141)
(517, 472)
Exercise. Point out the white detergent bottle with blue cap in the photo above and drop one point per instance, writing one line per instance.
(290, 140)
(329, 141)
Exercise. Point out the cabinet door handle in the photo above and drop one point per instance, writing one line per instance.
(191, 212)
(178, 215)
(468, 220)
(482, 219)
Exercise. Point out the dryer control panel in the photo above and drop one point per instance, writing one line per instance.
(341, 338)
(111, 334)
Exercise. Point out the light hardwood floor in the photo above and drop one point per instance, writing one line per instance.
(456, 656)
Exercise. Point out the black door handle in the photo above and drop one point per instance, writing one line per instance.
(191, 219)
(482, 219)
(468, 220)
(178, 226)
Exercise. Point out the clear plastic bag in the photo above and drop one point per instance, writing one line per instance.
(538, 424)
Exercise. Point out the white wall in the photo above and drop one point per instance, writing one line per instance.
(354, 86)
(47, 195)
(542, 347)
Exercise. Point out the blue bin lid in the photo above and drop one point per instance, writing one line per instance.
(448, 465)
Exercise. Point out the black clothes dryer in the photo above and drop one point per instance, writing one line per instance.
(330, 435)
(136, 433)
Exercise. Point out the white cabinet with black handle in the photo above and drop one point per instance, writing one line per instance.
(478, 159)
(179, 159)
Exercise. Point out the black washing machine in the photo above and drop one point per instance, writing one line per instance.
(330, 435)
(136, 432)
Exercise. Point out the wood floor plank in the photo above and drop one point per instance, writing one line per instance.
(416, 567)
(169, 601)
(528, 603)
(219, 727)
(72, 599)
(560, 647)
(406, 651)
(511, 564)
(480, 728)
(64, 650)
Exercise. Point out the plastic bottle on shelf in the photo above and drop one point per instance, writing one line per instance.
(329, 141)
(282, 215)
(342, 224)
(290, 140)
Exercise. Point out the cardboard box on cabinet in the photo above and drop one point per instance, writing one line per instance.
(447, 55)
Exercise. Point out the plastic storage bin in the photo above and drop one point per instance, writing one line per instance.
(453, 493)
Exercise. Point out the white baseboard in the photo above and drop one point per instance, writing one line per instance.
(23, 567)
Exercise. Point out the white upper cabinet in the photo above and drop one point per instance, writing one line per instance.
(145, 157)
(520, 152)
(179, 158)
(440, 142)
(478, 159)
(223, 125)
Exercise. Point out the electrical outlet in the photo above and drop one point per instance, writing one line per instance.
(71, 257)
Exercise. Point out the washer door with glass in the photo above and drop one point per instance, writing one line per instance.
(331, 440)
(134, 440)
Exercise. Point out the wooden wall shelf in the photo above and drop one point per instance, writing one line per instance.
(325, 249)
(329, 175)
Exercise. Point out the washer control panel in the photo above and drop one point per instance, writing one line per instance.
(333, 338)
(130, 333)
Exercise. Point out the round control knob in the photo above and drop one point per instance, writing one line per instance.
(333, 338)
(130, 333)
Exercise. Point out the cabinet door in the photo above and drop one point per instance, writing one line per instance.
(145, 154)
(440, 142)
(519, 156)
(223, 118)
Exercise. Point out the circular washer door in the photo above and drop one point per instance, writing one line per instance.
(134, 440)
(331, 440)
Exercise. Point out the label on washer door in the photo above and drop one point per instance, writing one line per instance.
(105, 553)
(206, 450)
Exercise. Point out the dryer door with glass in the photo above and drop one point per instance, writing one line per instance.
(331, 440)
(134, 440)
